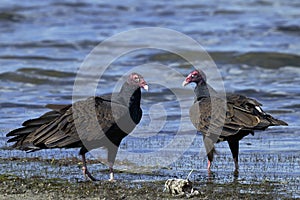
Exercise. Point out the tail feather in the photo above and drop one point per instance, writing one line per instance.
(28, 147)
(58, 107)
(275, 122)
(22, 131)
(15, 139)
(20, 135)
(47, 117)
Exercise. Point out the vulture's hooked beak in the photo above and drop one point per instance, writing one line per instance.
(184, 83)
(145, 87)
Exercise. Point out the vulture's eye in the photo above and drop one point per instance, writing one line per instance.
(137, 80)
(193, 76)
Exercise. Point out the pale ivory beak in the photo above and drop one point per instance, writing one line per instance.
(184, 83)
(146, 87)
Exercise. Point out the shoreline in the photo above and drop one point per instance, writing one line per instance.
(14, 187)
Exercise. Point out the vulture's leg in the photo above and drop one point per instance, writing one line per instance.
(85, 171)
(234, 147)
(111, 156)
(210, 150)
(210, 156)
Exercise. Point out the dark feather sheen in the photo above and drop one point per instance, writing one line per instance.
(97, 122)
(225, 119)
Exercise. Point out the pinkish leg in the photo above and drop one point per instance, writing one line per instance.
(111, 172)
(208, 165)
(85, 171)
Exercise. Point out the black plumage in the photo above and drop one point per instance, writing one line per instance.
(101, 121)
(225, 117)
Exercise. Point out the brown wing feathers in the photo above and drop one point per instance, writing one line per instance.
(22, 135)
(241, 114)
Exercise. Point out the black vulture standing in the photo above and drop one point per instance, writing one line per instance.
(238, 117)
(101, 121)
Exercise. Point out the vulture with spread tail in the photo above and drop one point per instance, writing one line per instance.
(101, 121)
(225, 117)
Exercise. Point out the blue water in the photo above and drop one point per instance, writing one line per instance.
(255, 45)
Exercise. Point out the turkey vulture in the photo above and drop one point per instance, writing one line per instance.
(235, 116)
(101, 121)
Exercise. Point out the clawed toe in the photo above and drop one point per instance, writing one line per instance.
(87, 174)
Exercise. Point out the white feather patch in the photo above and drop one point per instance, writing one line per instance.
(259, 109)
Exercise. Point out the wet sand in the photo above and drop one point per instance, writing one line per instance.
(43, 187)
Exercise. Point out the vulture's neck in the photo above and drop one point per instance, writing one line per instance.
(131, 98)
(130, 95)
(204, 90)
